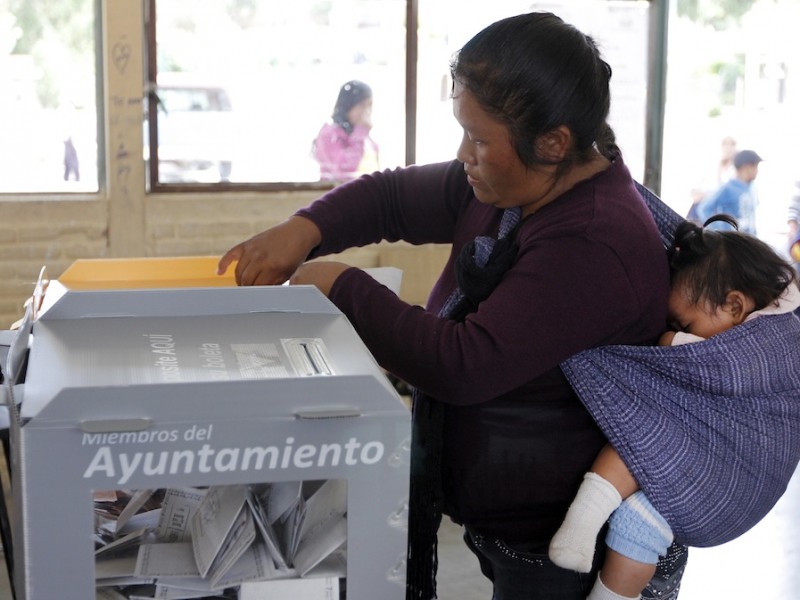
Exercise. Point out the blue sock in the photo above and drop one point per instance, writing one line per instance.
(638, 531)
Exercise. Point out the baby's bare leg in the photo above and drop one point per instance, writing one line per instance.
(621, 578)
(625, 576)
(637, 536)
(610, 467)
(601, 492)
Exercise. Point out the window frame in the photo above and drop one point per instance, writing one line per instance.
(99, 157)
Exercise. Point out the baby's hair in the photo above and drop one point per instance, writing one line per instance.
(711, 263)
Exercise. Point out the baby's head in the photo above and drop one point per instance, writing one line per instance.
(720, 277)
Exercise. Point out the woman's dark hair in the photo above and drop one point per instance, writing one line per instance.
(711, 263)
(534, 73)
(350, 94)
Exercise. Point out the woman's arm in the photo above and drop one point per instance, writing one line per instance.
(417, 204)
(535, 319)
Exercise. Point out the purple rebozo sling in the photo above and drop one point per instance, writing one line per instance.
(710, 430)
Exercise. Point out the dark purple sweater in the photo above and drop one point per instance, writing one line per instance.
(590, 271)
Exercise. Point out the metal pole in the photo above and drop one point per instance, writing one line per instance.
(412, 21)
(656, 93)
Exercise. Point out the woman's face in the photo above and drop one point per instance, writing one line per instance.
(495, 172)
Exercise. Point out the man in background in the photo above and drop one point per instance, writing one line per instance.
(736, 197)
(793, 223)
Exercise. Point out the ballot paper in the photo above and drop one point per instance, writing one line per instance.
(201, 542)
(324, 588)
(222, 529)
(109, 594)
(257, 501)
(179, 506)
(166, 560)
(123, 544)
(138, 500)
(323, 527)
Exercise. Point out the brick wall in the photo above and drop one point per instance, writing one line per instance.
(54, 233)
(36, 233)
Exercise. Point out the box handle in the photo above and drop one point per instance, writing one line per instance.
(115, 425)
(328, 412)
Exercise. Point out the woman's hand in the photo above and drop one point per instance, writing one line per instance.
(322, 274)
(272, 256)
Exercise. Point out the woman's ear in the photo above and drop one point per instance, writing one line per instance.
(554, 145)
(738, 305)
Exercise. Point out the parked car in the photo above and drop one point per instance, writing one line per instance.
(195, 132)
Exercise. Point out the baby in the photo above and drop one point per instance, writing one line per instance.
(719, 280)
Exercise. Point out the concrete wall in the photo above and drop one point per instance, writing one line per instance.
(125, 221)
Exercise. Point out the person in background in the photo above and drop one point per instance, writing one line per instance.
(343, 148)
(793, 223)
(553, 251)
(71, 165)
(723, 172)
(720, 279)
(736, 197)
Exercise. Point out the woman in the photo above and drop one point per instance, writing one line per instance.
(343, 148)
(500, 441)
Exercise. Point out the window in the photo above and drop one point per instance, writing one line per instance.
(47, 96)
(281, 66)
(276, 70)
(196, 135)
(619, 28)
(731, 77)
(241, 88)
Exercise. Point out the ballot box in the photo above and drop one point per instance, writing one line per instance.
(171, 438)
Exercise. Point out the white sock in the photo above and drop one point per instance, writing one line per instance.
(572, 547)
(601, 592)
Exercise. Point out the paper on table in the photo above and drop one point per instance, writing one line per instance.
(391, 277)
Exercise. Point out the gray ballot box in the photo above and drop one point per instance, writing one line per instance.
(203, 388)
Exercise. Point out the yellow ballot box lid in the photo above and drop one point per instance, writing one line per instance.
(138, 273)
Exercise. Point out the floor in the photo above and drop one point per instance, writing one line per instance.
(763, 564)
(5, 586)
